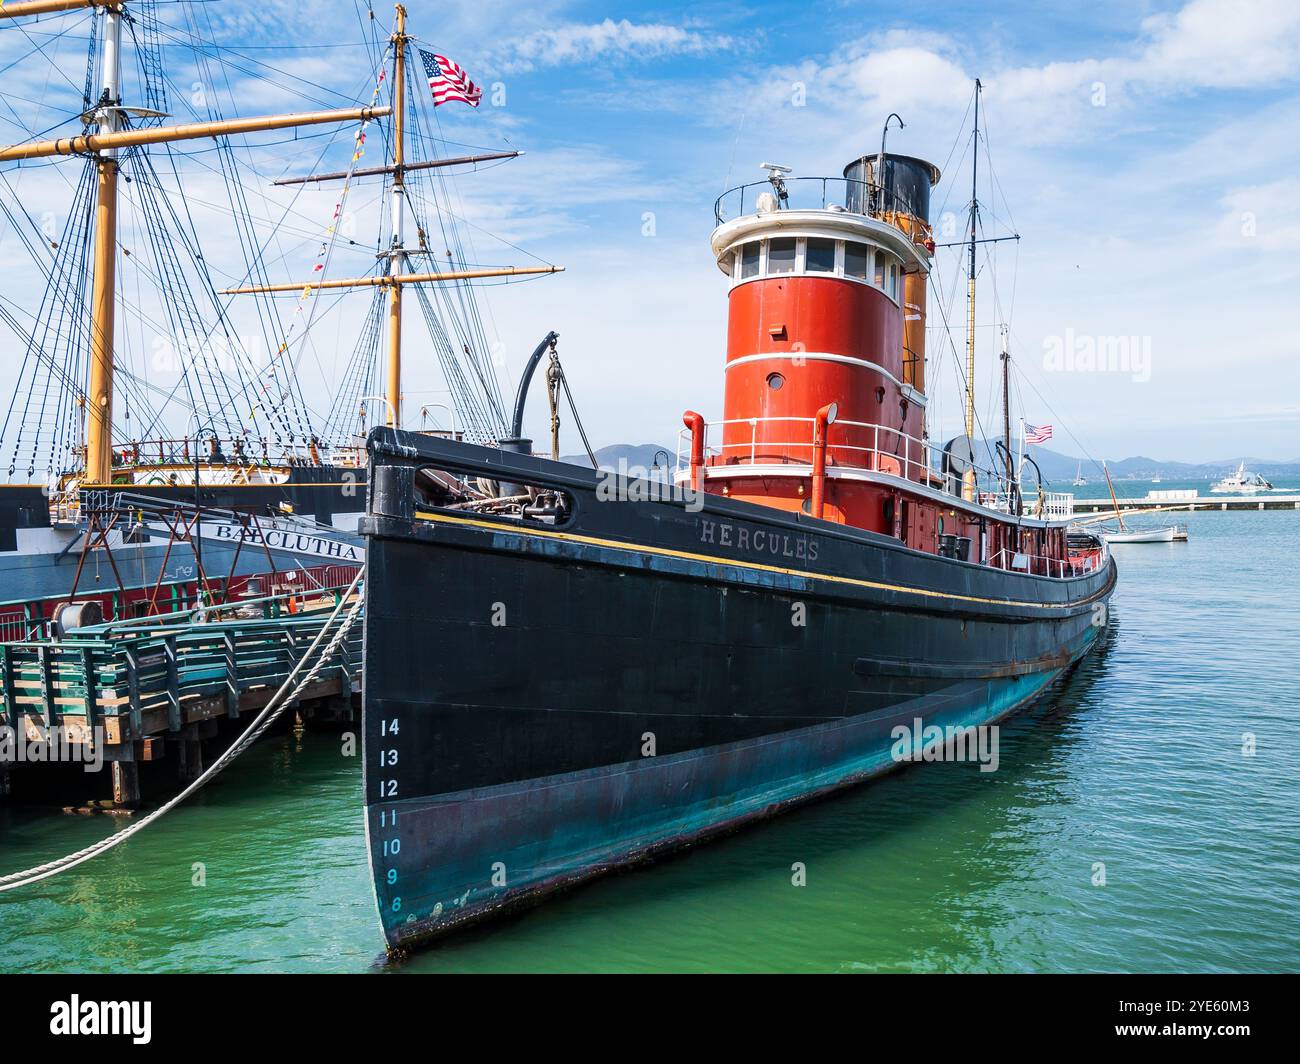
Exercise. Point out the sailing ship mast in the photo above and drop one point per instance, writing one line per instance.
(394, 279)
(968, 478)
(396, 253)
(110, 130)
(103, 145)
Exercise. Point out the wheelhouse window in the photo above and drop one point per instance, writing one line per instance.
(820, 257)
(886, 275)
(780, 255)
(827, 256)
(857, 259)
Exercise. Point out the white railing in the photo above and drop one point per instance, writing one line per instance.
(1049, 506)
(881, 459)
(1045, 565)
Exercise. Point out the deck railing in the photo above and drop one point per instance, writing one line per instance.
(180, 601)
(890, 450)
(819, 193)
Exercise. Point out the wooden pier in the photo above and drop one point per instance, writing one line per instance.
(1197, 504)
(138, 688)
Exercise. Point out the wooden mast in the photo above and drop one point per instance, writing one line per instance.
(396, 258)
(99, 392)
(968, 478)
(129, 138)
(1113, 501)
(50, 7)
(426, 164)
(394, 279)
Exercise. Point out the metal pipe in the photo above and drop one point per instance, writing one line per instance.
(525, 380)
(695, 422)
(821, 426)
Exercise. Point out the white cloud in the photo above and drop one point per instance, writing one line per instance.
(579, 43)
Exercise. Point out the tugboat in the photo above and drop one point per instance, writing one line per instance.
(569, 671)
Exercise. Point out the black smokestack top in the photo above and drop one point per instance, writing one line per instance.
(907, 182)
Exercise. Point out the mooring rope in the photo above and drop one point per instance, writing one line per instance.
(278, 703)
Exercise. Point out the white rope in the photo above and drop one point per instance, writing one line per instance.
(278, 703)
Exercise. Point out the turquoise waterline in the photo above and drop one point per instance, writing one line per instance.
(1136, 762)
(670, 803)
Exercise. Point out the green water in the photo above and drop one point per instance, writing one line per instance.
(1136, 763)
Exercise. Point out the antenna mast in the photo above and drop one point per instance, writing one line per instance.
(968, 479)
(1006, 423)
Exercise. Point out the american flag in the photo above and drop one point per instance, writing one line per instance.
(448, 81)
(1037, 433)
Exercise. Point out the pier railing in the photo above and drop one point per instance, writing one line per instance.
(144, 679)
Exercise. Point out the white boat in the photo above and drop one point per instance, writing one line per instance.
(1142, 535)
(1079, 479)
(1241, 483)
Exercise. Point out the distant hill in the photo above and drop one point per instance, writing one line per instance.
(636, 455)
(1057, 468)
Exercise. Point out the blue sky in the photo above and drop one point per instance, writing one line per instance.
(1146, 153)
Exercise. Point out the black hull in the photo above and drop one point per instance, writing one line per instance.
(574, 698)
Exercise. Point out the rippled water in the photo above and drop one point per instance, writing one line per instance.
(1136, 762)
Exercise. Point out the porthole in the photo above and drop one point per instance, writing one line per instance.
(775, 381)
